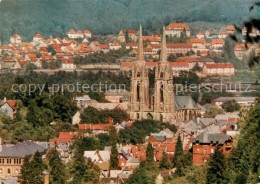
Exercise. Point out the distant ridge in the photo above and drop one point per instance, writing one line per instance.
(56, 17)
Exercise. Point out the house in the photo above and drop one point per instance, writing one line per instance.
(74, 35)
(131, 45)
(68, 64)
(176, 29)
(241, 50)
(96, 129)
(64, 137)
(100, 158)
(151, 39)
(207, 33)
(246, 102)
(219, 69)
(12, 157)
(217, 44)
(84, 101)
(87, 33)
(192, 61)
(132, 34)
(230, 29)
(9, 108)
(15, 38)
(37, 38)
(200, 35)
(178, 48)
(114, 46)
(223, 34)
(205, 145)
(116, 95)
(253, 32)
(95, 46)
(76, 118)
(198, 43)
(104, 48)
(179, 66)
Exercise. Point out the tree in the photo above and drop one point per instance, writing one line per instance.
(37, 168)
(26, 169)
(127, 38)
(213, 111)
(178, 152)
(215, 173)
(114, 157)
(165, 162)
(78, 164)
(91, 115)
(231, 106)
(149, 152)
(57, 167)
(92, 173)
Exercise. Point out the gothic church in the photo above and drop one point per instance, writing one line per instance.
(161, 104)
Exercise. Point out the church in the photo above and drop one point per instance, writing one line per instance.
(161, 103)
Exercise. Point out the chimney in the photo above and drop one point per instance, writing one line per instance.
(4, 99)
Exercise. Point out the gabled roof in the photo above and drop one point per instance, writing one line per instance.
(72, 31)
(177, 26)
(179, 45)
(215, 138)
(217, 41)
(185, 102)
(21, 150)
(197, 40)
(86, 31)
(37, 35)
(220, 65)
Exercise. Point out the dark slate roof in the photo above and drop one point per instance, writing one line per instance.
(214, 138)
(21, 150)
(185, 102)
(159, 138)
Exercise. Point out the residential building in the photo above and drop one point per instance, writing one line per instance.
(205, 145)
(68, 64)
(246, 102)
(219, 69)
(176, 29)
(12, 157)
(87, 33)
(9, 108)
(15, 38)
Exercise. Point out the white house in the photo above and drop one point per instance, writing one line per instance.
(68, 64)
(15, 38)
(176, 29)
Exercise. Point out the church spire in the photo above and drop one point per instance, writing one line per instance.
(140, 54)
(163, 48)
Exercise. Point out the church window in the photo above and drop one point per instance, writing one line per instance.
(161, 93)
(161, 117)
(161, 75)
(138, 74)
(9, 171)
(137, 116)
(138, 91)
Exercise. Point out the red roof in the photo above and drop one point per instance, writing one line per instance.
(129, 31)
(103, 47)
(217, 41)
(230, 28)
(170, 147)
(184, 64)
(151, 38)
(114, 44)
(127, 64)
(12, 103)
(95, 126)
(86, 31)
(197, 40)
(67, 135)
(177, 26)
(178, 45)
(132, 44)
(220, 65)
(37, 35)
(72, 31)
(68, 61)
(16, 36)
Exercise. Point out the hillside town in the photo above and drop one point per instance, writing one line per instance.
(142, 131)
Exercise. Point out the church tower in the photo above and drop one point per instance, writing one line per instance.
(163, 87)
(139, 94)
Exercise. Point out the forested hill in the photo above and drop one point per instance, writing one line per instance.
(55, 17)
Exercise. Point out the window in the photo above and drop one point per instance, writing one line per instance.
(205, 151)
(9, 171)
(161, 93)
(212, 150)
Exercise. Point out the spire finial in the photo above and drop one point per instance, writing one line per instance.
(163, 48)
(140, 54)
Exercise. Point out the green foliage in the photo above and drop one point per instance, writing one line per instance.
(174, 39)
(213, 111)
(101, 57)
(215, 173)
(207, 97)
(165, 162)
(178, 152)
(118, 14)
(149, 153)
(231, 106)
(141, 176)
(137, 132)
(243, 164)
(186, 78)
(57, 168)
(92, 115)
(32, 172)
(114, 157)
